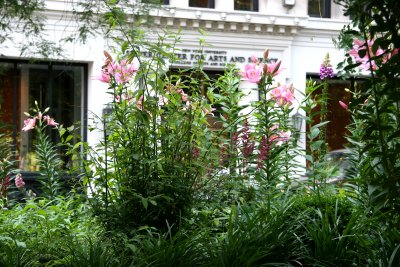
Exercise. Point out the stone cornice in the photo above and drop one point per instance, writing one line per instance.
(212, 20)
(242, 22)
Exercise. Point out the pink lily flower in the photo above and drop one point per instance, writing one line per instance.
(366, 63)
(273, 69)
(280, 137)
(29, 124)
(283, 94)
(252, 72)
(50, 121)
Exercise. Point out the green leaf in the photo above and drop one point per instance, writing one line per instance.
(316, 145)
(352, 66)
(77, 145)
(320, 124)
(309, 158)
(124, 46)
(132, 247)
(69, 138)
(20, 244)
(313, 133)
(62, 131)
(362, 52)
(145, 202)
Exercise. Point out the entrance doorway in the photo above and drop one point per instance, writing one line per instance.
(338, 117)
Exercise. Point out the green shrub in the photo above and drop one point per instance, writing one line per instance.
(39, 232)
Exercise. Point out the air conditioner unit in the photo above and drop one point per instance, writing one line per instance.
(289, 3)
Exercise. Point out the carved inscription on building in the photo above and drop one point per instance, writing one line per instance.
(209, 58)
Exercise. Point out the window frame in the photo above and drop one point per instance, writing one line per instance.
(210, 4)
(254, 9)
(162, 2)
(325, 12)
(16, 80)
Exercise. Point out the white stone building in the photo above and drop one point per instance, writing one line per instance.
(297, 32)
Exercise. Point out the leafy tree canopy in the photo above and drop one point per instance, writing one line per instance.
(23, 23)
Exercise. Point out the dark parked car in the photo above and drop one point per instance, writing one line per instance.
(340, 159)
(339, 163)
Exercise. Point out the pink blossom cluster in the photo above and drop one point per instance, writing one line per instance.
(184, 96)
(123, 97)
(366, 60)
(283, 94)
(276, 138)
(279, 137)
(208, 111)
(361, 45)
(273, 69)
(19, 182)
(30, 123)
(129, 99)
(254, 71)
(174, 89)
(171, 89)
(122, 71)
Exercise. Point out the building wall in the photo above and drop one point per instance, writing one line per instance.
(301, 42)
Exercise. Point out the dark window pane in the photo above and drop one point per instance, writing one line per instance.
(319, 8)
(155, 2)
(245, 5)
(7, 97)
(200, 3)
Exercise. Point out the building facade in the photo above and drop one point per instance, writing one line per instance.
(297, 32)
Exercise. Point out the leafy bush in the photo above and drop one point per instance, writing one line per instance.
(39, 233)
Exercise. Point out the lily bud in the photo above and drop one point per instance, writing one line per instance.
(109, 58)
(266, 52)
(278, 65)
(265, 68)
(343, 105)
